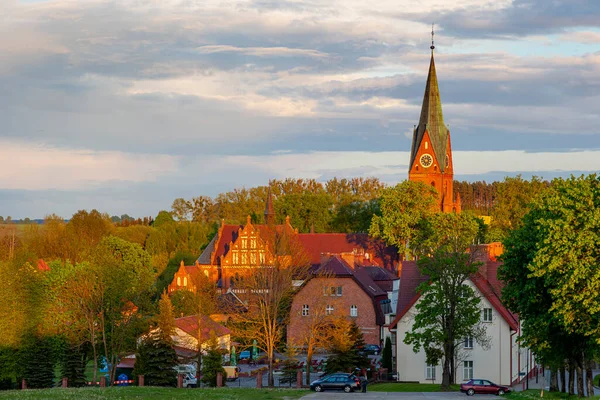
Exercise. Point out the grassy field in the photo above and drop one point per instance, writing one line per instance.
(407, 387)
(154, 393)
(535, 394)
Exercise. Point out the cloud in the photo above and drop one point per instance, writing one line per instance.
(31, 166)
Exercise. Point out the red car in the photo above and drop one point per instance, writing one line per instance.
(483, 386)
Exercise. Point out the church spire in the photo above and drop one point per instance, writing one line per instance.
(269, 210)
(432, 118)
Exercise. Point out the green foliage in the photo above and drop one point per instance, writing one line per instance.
(386, 354)
(449, 309)
(307, 211)
(166, 277)
(212, 362)
(347, 359)
(163, 218)
(552, 275)
(36, 361)
(73, 361)
(355, 216)
(403, 208)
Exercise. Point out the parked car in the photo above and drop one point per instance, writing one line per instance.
(245, 355)
(189, 381)
(339, 381)
(483, 386)
(372, 349)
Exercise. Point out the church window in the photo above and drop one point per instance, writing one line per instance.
(252, 258)
(235, 257)
(178, 281)
(305, 310)
(244, 258)
(426, 145)
(244, 243)
(253, 243)
(206, 273)
(261, 257)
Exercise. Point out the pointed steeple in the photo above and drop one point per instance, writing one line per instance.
(269, 210)
(432, 119)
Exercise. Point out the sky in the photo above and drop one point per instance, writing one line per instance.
(125, 105)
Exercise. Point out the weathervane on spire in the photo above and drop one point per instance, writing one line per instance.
(432, 34)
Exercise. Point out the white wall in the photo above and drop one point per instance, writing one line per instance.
(493, 364)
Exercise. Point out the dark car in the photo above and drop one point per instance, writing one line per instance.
(372, 349)
(483, 386)
(346, 382)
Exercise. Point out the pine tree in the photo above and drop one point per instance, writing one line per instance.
(212, 362)
(386, 355)
(347, 349)
(156, 357)
(37, 356)
(72, 364)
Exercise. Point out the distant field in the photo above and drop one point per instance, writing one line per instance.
(154, 393)
(8, 229)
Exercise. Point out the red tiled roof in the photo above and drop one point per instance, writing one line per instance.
(489, 286)
(190, 326)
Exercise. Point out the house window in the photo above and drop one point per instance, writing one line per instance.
(430, 372)
(339, 290)
(353, 311)
(468, 342)
(178, 281)
(252, 258)
(487, 315)
(236, 258)
(386, 306)
(185, 281)
(329, 309)
(305, 310)
(467, 370)
(244, 258)
(244, 243)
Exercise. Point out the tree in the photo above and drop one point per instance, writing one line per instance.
(551, 270)
(347, 348)
(212, 362)
(307, 211)
(37, 360)
(163, 217)
(403, 208)
(156, 356)
(449, 309)
(386, 354)
(268, 291)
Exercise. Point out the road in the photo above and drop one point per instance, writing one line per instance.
(384, 395)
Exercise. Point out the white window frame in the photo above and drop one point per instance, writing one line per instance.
(305, 310)
(353, 311)
(467, 370)
(468, 343)
(487, 315)
(430, 372)
(329, 309)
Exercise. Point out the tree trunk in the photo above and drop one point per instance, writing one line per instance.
(589, 379)
(553, 380)
(571, 378)
(446, 374)
(563, 377)
(580, 389)
(271, 378)
(308, 363)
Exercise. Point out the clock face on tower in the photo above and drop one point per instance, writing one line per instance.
(426, 160)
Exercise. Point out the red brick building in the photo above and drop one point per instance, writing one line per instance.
(343, 286)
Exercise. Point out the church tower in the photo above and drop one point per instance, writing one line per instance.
(431, 153)
(269, 210)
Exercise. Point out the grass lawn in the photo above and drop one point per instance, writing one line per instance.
(535, 394)
(407, 387)
(154, 393)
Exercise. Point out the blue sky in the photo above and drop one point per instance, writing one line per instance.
(125, 105)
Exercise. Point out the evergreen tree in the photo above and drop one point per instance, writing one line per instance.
(156, 357)
(37, 361)
(212, 362)
(72, 364)
(347, 348)
(386, 355)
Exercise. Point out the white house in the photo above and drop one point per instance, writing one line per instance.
(187, 332)
(501, 363)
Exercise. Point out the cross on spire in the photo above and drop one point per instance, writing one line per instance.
(432, 34)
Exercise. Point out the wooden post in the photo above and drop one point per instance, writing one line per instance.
(219, 379)
(299, 378)
(23, 384)
(259, 380)
(65, 382)
(140, 380)
(102, 381)
(180, 381)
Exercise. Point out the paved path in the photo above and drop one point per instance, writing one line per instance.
(385, 395)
